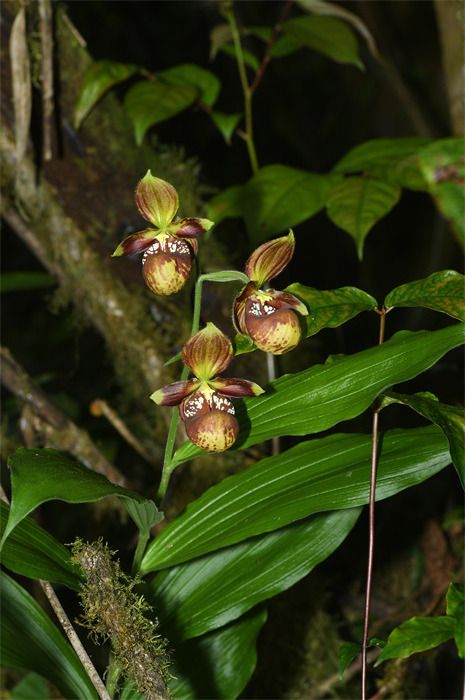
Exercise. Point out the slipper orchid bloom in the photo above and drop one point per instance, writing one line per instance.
(169, 249)
(268, 317)
(205, 404)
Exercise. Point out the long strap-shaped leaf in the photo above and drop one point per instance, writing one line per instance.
(318, 475)
(31, 641)
(318, 398)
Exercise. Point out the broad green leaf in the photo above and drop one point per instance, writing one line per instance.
(33, 552)
(284, 46)
(250, 59)
(224, 276)
(24, 281)
(320, 7)
(101, 76)
(348, 651)
(201, 595)
(151, 102)
(308, 402)
(417, 634)
(379, 152)
(226, 205)
(455, 601)
(31, 687)
(145, 514)
(218, 665)
(315, 476)
(242, 344)
(40, 475)
(442, 291)
(279, 197)
(226, 123)
(219, 36)
(333, 307)
(357, 203)
(204, 81)
(327, 35)
(443, 165)
(31, 641)
(450, 419)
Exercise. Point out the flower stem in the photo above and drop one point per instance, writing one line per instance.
(371, 526)
(246, 89)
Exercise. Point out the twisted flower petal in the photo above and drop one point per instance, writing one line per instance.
(173, 394)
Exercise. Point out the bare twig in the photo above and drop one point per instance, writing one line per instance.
(267, 55)
(101, 408)
(46, 38)
(59, 430)
(21, 84)
(75, 642)
(352, 670)
(371, 528)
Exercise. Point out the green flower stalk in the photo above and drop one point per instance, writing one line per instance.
(170, 248)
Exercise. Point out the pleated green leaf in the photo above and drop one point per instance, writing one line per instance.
(455, 606)
(450, 419)
(308, 402)
(30, 641)
(333, 307)
(98, 79)
(39, 475)
(220, 664)
(279, 197)
(201, 595)
(417, 634)
(442, 291)
(33, 552)
(358, 203)
(315, 476)
(150, 102)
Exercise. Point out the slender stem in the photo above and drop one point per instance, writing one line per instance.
(371, 526)
(249, 139)
(140, 549)
(113, 674)
(168, 467)
(267, 55)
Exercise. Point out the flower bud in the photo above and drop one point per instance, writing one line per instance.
(208, 352)
(209, 420)
(156, 200)
(269, 259)
(269, 318)
(167, 263)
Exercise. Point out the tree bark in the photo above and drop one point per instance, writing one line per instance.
(451, 16)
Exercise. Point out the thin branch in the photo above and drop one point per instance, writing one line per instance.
(371, 527)
(99, 407)
(46, 39)
(74, 640)
(267, 55)
(60, 431)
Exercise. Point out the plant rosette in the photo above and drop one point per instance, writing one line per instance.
(269, 317)
(170, 248)
(204, 401)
